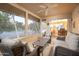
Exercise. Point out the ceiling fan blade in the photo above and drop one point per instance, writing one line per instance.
(51, 5)
(46, 12)
(40, 11)
(43, 6)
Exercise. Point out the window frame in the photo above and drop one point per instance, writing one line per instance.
(14, 22)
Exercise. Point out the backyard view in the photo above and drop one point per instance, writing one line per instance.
(12, 26)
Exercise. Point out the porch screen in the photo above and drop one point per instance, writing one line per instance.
(11, 26)
(34, 24)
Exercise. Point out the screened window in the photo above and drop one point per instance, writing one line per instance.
(11, 26)
(33, 24)
(19, 23)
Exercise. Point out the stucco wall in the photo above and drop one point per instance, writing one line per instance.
(75, 20)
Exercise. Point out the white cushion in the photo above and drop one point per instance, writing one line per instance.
(9, 42)
(59, 43)
(72, 41)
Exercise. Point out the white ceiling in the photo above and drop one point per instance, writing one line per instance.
(54, 9)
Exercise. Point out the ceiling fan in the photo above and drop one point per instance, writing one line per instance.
(46, 7)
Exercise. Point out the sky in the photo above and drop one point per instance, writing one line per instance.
(22, 20)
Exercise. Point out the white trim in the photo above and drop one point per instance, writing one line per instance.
(26, 21)
(23, 9)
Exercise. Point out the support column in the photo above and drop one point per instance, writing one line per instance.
(40, 27)
(26, 21)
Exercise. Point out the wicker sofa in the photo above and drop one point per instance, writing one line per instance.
(69, 45)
